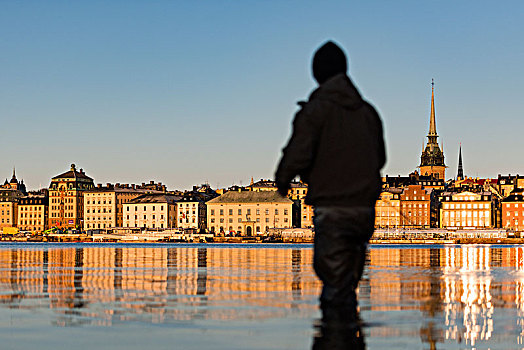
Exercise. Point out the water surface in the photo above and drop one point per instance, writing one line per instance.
(187, 296)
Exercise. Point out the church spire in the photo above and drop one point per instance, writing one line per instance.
(432, 158)
(460, 173)
(432, 123)
(13, 179)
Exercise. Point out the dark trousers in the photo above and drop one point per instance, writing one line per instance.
(341, 238)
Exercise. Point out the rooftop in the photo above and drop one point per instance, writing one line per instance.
(155, 198)
(73, 174)
(251, 197)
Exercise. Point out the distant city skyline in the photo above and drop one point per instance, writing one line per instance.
(188, 93)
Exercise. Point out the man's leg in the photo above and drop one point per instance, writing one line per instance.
(341, 236)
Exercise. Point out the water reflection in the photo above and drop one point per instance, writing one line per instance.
(420, 297)
(104, 285)
(464, 294)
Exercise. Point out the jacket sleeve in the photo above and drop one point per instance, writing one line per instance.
(299, 154)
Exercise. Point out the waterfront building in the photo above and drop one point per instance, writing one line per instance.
(14, 184)
(262, 185)
(248, 212)
(8, 208)
(467, 210)
(506, 184)
(513, 211)
(432, 158)
(32, 213)
(151, 187)
(415, 207)
(427, 181)
(103, 207)
(475, 185)
(152, 211)
(191, 212)
(302, 212)
(387, 209)
(66, 198)
(10, 194)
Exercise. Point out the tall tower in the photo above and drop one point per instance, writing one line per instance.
(432, 158)
(460, 172)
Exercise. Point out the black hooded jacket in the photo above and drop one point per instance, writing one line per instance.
(337, 147)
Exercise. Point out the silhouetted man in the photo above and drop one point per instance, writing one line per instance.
(337, 148)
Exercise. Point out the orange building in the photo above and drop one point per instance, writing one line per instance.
(513, 212)
(66, 198)
(415, 207)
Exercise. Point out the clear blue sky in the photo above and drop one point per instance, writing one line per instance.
(185, 92)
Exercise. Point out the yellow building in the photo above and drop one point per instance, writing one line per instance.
(10, 193)
(8, 213)
(104, 206)
(387, 209)
(248, 212)
(66, 198)
(32, 213)
(302, 213)
(466, 210)
(153, 211)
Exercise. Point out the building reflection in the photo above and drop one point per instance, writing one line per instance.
(104, 285)
(456, 289)
(454, 292)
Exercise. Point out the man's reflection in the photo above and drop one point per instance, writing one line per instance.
(339, 329)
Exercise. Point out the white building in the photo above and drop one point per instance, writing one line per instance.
(153, 211)
(191, 213)
(248, 212)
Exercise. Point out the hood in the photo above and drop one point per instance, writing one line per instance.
(328, 61)
(340, 90)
